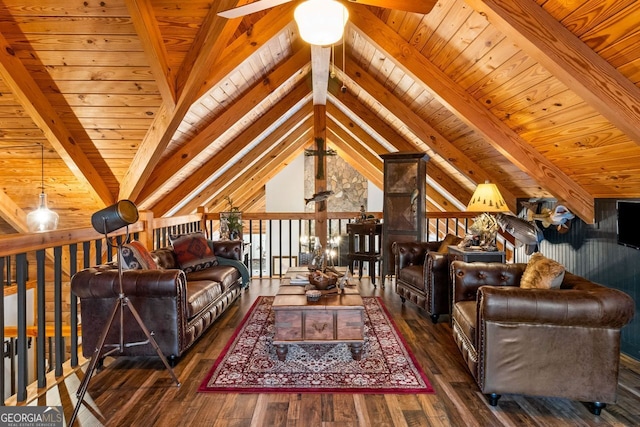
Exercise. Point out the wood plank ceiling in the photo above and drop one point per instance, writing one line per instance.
(167, 104)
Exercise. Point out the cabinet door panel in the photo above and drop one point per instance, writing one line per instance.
(350, 325)
(318, 325)
(288, 325)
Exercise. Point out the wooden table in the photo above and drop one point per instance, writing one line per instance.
(334, 319)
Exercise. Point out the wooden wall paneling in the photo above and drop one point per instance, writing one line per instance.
(212, 38)
(503, 138)
(228, 119)
(420, 128)
(266, 167)
(569, 59)
(187, 185)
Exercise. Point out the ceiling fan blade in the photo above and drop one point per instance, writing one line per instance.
(417, 6)
(247, 9)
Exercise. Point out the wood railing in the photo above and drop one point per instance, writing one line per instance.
(36, 270)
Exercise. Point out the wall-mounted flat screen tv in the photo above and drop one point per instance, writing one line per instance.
(629, 224)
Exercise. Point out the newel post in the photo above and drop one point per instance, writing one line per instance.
(202, 211)
(146, 235)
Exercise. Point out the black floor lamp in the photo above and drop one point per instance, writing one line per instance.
(106, 221)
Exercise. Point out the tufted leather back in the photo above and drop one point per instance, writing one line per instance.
(468, 278)
(412, 253)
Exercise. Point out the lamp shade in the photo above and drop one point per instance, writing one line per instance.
(487, 198)
(43, 218)
(321, 22)
(115, 217)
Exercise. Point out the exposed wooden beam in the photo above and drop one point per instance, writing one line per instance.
(455, 190)
(149, 33)
(242, 106)
(12, 213)
(416, 6)
(188, 185)
(434, 172)
(320, 61)
(426, 133)
(320, 182)
(244, 186)
(261, 32)
(472, 112)
(28, 94)
(211, 40)
(365, 160)
(569, 59)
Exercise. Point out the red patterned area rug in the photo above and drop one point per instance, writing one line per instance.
(249, 364)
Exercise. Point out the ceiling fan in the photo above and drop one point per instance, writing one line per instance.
(321, 24)
(416, 6)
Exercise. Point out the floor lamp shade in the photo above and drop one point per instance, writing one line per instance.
(114, 217)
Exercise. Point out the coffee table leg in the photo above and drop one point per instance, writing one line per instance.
(281, 351)
(356, 350)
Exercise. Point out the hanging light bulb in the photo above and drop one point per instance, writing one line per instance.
(43, 218)
(321, 22)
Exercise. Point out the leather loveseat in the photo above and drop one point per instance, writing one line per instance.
(542, 342)
(177, 307)
(422, 274)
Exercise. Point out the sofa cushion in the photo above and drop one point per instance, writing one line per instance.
(223, 274)
(449, 239)
(201, 293)
(465, 315)
(165, 258)
(136, 257)
(542, 273)
(412, 275)
(193, 252)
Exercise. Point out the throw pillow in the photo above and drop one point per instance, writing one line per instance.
(542, 273)
(193, 252)
(448, 240)
(136, 257)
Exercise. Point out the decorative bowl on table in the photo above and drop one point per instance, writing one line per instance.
(322, 282)
(313, 295)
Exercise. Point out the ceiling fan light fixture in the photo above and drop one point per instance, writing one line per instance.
(321, 22)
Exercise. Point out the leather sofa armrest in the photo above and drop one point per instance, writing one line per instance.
(436, 261)
(599, 307)
(230, 249)
(412, 253)
(468, 277)
(99, 283)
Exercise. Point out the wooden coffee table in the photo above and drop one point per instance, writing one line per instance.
(334, 319)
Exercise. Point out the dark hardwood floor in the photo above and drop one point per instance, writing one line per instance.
(138, 392)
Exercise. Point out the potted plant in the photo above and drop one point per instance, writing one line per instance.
(231, 222)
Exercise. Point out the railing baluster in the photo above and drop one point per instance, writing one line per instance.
(73, 264)
(98, 243)
(41, 318)
(2, 375)
(57, 311)
(23, 372)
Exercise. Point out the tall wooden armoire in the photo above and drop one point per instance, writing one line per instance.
(404, 205)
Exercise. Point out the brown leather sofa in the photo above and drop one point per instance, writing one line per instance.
(422, 275)
(541, 342)
(177, 307)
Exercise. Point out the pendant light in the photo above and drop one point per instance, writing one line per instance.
(43, 218)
